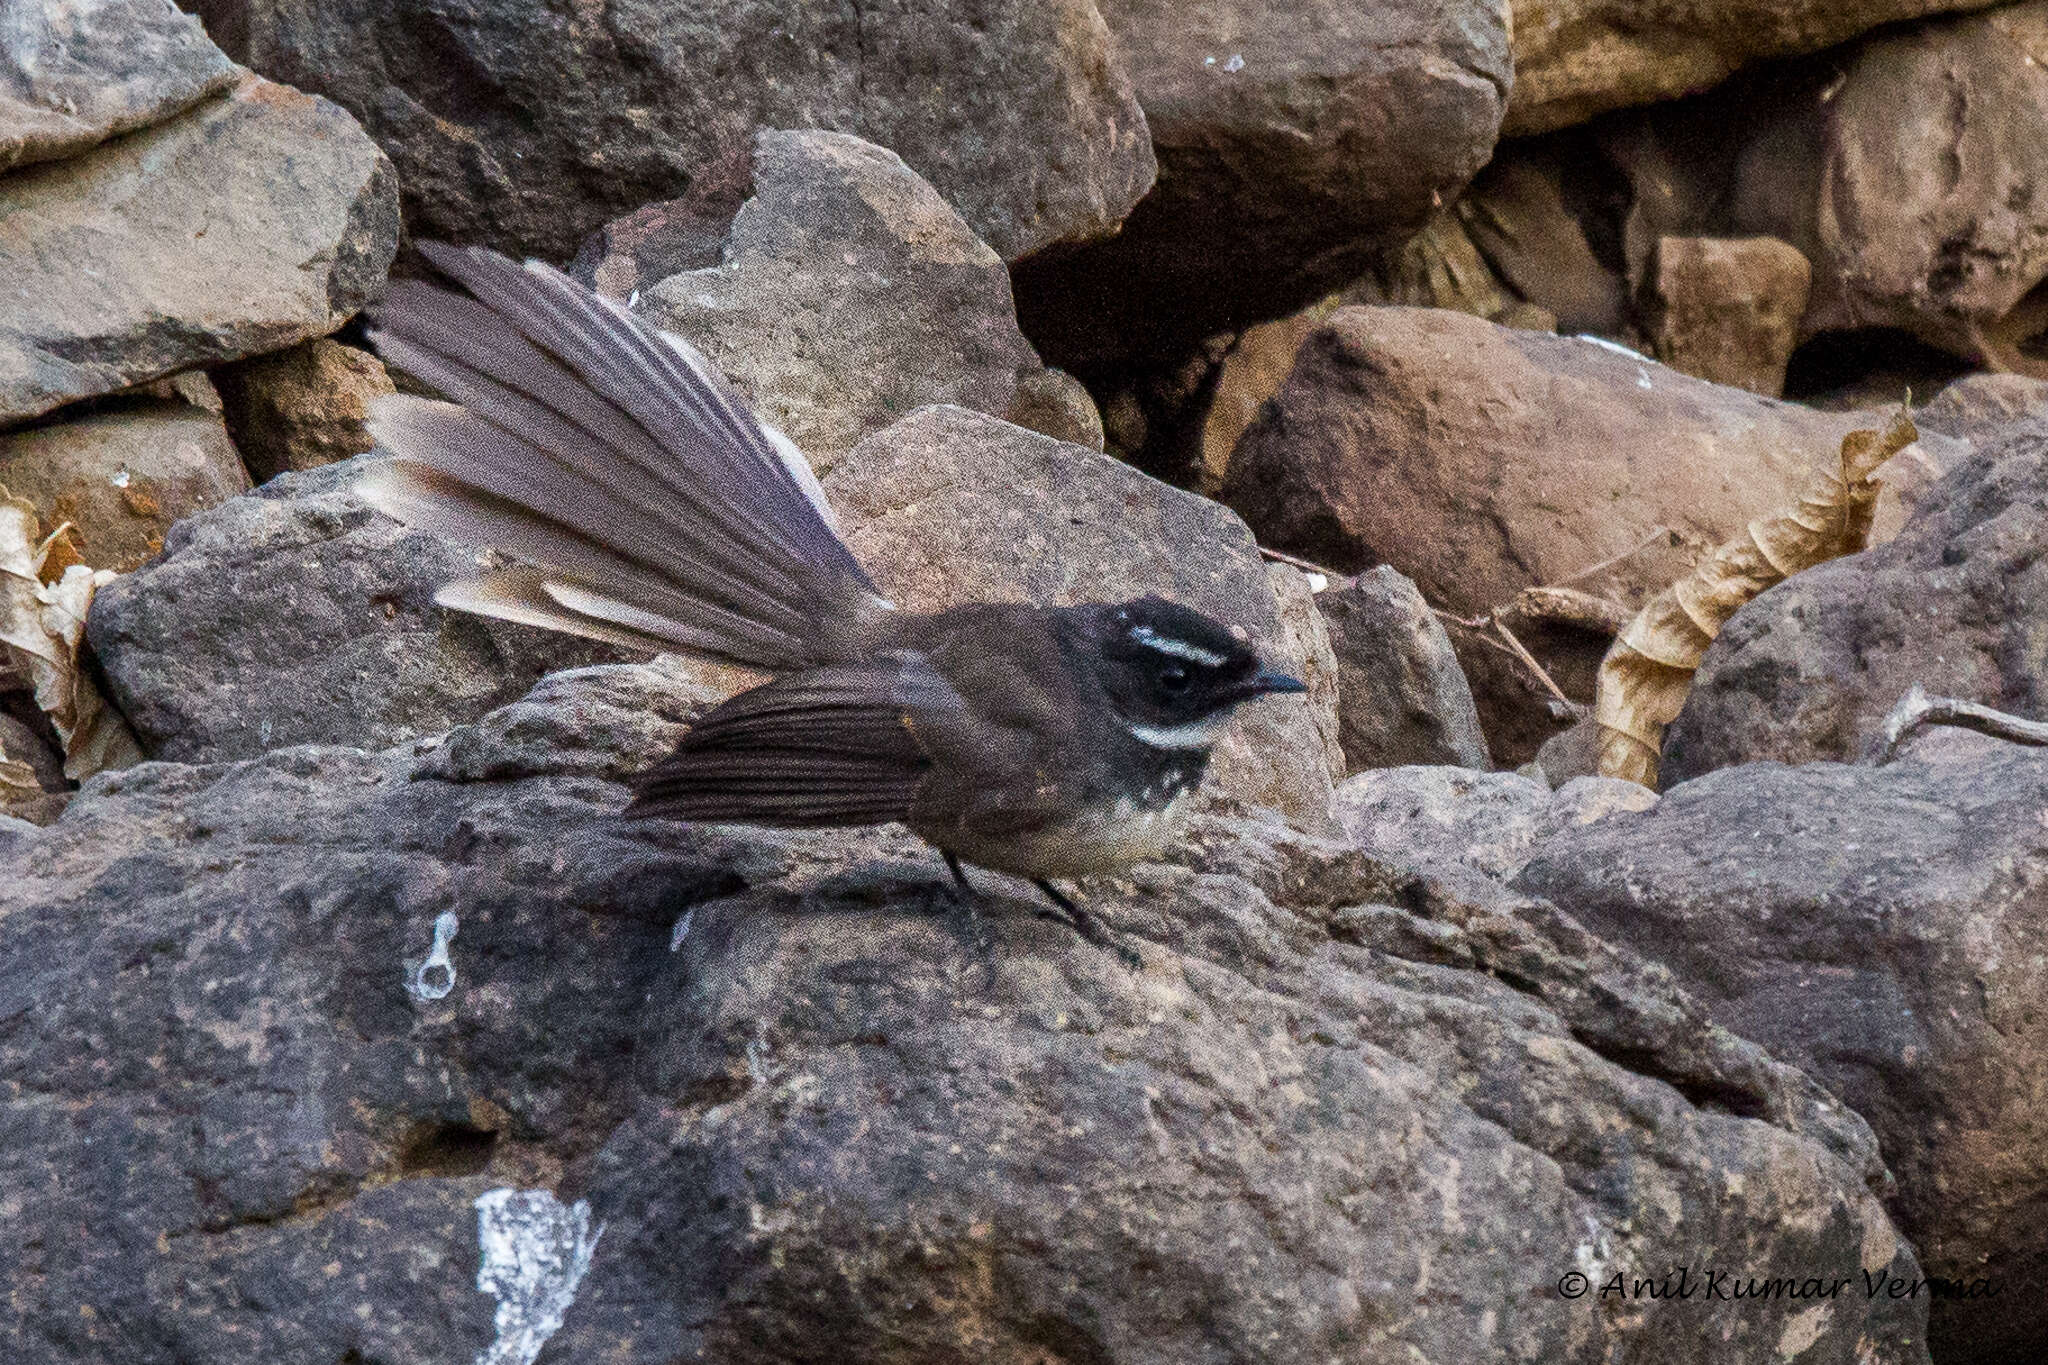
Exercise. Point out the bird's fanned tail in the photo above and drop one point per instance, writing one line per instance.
(647, 504)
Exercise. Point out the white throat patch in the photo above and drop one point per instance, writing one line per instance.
(1179, 649)
(1194, 734)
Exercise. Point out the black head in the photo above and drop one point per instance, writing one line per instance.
(1173, 674)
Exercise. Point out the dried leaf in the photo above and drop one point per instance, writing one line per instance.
(18, 785)
(1648, 671)
(41, 627)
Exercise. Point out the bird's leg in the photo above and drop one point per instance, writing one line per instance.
(962, 896)
(1085, 924)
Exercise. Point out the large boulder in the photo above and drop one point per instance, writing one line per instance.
(1294, 141)
(1480, 461)
(526, 127)
(1578, 58)
(848, 293)
(123, 477)
(1494, 822)
(253, 220)
(1957, 603)
(77, 72)
(1929, 215)
(296, 615)
(950, 506)
(669, 1092)
(1887, 930)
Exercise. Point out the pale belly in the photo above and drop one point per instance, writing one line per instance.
(1107, 839)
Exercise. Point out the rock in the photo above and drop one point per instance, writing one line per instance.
(1479, 461)
(1526, 214)
(848, 295)
(1053, 403)
(805, 1108)
(296, 615)
(1578, 58)
(1886, 929)
(43, 792)
(1571, 752)
(1957, 603)
(950, 506)
(1728, 310)
(527, 128)
(124, 264)
(1928, 215)
(1401, 696)
(1305, 637)
(1495, 822)
(1983, 408)
(302, 408)
(1295, 142)
(123, 476)
(667, 238)
(76, 72)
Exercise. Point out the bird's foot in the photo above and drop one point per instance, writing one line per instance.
(1086, 925)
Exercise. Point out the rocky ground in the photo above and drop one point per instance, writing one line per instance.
(342, 1020)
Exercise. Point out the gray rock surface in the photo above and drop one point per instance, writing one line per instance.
(1296, 140)
(951, 506)
(805, 1106)
(301, 408)
(527, 127)
(848, 294)
(1887, 930)
(253, 220)
(76, 72)
(297, 615)
(123, 476)
(1494, 822)
(1401, 696)
(1957, 603)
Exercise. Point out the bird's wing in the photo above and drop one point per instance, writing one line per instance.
(837, 745)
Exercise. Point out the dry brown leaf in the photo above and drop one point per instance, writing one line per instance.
(41, 626)
(1648, 671)
(18, 785)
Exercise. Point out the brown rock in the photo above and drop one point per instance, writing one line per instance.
(1401, 696)
(122, 477)
(251, 221)
(1577, 58)
(1928, 214)
(848, 294)
(527, 127)
(1053, 403)
(1479, 461)
(1295, 142)
(1523, 215)
(76, 72)
(1728, 310)
(302, 408)
(1438, 268)
(950, 506)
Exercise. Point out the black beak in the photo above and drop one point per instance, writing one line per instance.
(1266, 680)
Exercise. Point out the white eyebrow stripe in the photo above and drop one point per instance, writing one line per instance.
(1179, 649)
(1195, 734)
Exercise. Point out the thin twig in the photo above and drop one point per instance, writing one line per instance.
(1542, 674)
(1656, 533)
(1306, 566)
(1916, 710)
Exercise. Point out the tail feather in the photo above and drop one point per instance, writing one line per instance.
(614, 461)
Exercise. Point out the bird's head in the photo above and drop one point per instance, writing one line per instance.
(1174, 675)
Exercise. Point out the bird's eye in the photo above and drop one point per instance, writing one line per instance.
(1173, 678)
